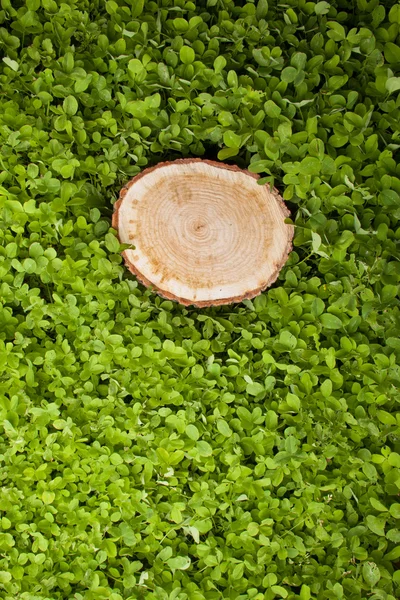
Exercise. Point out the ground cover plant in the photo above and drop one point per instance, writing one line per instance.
(154, 451)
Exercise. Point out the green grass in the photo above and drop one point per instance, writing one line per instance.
(148, 451)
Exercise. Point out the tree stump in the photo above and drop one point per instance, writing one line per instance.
(204, 233)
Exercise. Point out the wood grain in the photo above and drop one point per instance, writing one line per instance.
(205, 233)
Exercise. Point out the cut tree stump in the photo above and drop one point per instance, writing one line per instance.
(204, 233)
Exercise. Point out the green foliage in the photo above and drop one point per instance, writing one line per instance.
(152, 451)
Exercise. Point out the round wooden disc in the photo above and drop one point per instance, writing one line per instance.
(205, 233)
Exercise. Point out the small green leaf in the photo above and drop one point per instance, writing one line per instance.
(394, 459)
(392, 52)
(289, 74)
(70, 105)
(136, 8)
(112, 243)
(394, 14)
(204, 448)
(48, 497)
(305, 592)
(232, 140)
(11, 63)
(322, 8)
(395, 510)
(393, 554)
(187, 55)
(331, 321)
(279, 591)
(385, 417)
(255, 388)
(393, 535)
(135, 67)
(219, 64)
(371, 573)
(376, 524)
(326, 388)
(5, 577)
(262, 9)
(180, 25)
(237, 572)
(271, 420)
(228, 153)
(192, 432)
(179, 563)
(128, 535)
(378, 505)
(224, 428)
(269, 580)
(293, 402)
(310, 166)
(272, 109)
